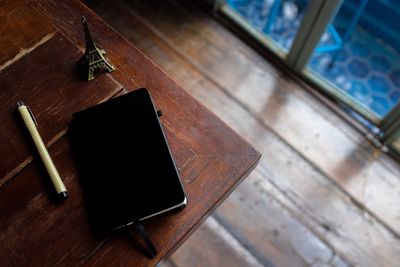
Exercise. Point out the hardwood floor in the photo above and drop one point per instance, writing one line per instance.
(321, 196)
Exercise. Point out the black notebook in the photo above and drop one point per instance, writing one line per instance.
(124, 161)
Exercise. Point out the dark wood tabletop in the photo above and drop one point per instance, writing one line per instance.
(40, 42)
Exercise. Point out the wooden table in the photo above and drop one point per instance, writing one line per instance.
(39, 45)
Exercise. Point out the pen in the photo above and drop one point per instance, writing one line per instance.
(30, 123)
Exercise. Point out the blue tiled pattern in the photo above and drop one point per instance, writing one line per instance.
(285, 25)
(366, 69)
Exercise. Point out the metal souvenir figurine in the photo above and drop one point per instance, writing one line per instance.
(93, 61)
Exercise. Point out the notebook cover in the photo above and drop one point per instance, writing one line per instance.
(124, 161)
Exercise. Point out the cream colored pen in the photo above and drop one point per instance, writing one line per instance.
(30, 123)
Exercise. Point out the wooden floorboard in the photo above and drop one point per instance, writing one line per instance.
(212, 237)
(321, 196)
(280, 110)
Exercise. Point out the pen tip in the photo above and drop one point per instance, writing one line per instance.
(63, 195)
(20, 103)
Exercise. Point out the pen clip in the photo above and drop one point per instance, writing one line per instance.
(33, 117)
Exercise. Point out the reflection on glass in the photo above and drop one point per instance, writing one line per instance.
(278, 19)
(360, 53)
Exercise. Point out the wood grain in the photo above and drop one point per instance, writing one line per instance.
(349, 233)
(47, 82)
(212, 159)
(163, 230)
(342, 224)
(18, 38)
(213, 246)
(355, 165)
(135, 69)
(36, 231)
(195, 82)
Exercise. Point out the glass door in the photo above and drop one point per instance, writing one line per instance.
(274, 23)
(357, 60)
(358, 57)
(348, 48)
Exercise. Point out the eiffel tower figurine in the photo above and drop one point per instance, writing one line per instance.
(93, 61)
